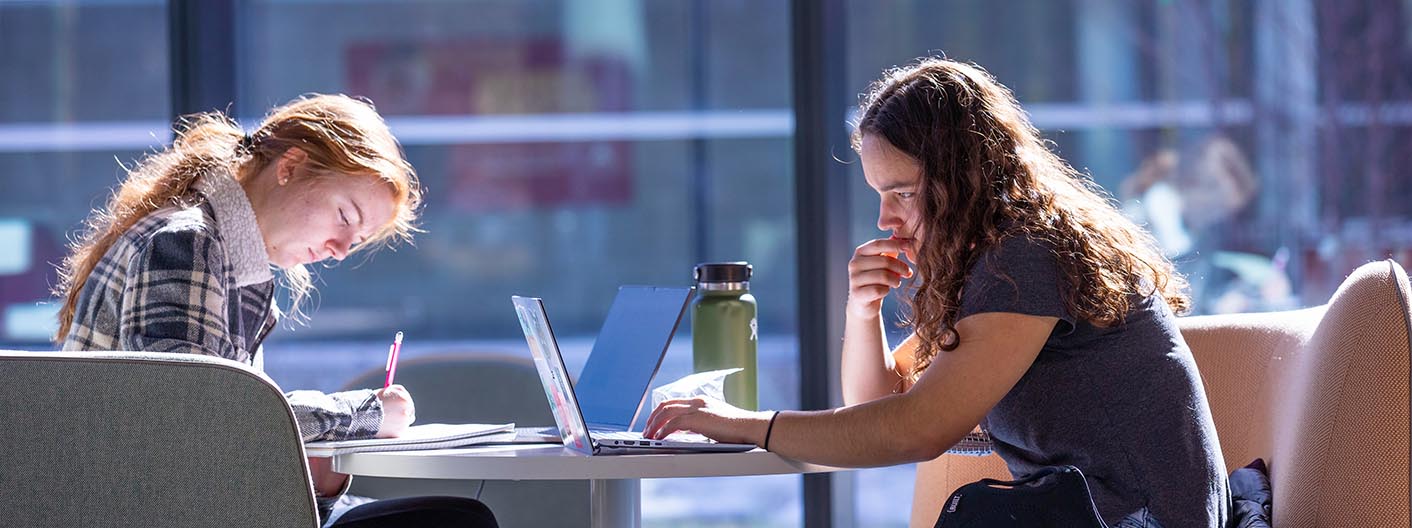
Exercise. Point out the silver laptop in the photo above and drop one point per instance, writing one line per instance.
(633, 341)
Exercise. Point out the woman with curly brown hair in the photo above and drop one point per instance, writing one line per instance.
(1039, 312)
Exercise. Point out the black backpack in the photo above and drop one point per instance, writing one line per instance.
(1055, 496)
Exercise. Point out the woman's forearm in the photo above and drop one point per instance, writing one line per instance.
(866, 367)
(883, 432)
(946, 402)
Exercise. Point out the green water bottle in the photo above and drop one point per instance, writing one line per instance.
(723, 328)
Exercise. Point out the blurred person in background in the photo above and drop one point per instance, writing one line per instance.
(1194, 203)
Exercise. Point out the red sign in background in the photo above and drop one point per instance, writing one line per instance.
(506, 77)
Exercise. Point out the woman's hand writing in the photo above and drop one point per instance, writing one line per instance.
(398, 412)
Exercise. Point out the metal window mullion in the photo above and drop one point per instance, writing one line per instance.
(201, 46)
(822, 224)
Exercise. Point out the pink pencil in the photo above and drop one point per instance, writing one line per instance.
(393, 352)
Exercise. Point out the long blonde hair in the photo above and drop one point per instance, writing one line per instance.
(340, 134)
(988, 175)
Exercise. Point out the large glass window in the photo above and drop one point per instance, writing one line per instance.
(567, 148)
(85, 85)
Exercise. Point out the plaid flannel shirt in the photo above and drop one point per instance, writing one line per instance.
(197, 280)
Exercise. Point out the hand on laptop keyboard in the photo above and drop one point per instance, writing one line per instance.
(633, 435)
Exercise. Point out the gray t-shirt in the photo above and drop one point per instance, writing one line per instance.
(1123, 404)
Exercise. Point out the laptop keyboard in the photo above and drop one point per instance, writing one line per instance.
(634, 435)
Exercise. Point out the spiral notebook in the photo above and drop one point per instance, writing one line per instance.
(426, 436)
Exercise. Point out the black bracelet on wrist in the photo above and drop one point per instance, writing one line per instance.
(768, 430)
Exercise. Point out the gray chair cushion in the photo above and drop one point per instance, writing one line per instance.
(147, 439)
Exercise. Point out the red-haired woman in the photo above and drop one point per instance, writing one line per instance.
(180, 259)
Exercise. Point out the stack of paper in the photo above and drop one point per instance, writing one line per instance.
(427, 436)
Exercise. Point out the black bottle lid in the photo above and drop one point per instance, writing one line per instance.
(723, 272)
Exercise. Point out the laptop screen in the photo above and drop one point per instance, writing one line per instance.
(627, 353)
(552, 373)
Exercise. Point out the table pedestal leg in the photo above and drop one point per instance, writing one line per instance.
(615, 503)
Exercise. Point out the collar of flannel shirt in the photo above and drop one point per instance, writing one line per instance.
(235, 219)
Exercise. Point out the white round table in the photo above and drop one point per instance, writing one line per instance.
(613, 479)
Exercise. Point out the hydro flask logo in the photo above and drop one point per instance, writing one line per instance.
(754, 330)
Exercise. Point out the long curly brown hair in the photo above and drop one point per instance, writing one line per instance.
(987, 175)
